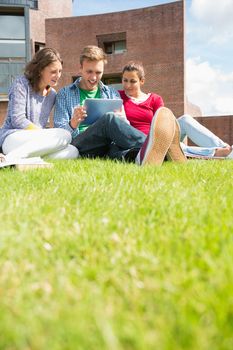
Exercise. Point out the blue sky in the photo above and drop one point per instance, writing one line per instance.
(209, 47)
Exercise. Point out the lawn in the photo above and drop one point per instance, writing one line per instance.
(100, 255)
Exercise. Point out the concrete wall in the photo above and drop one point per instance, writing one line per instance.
(154, 35)
(46, 9)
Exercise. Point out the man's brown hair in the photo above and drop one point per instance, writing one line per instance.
(93, 53)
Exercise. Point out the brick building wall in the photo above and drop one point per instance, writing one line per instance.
(222, 126)
(154, 35)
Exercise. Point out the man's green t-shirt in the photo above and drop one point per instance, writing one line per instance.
(83, 95)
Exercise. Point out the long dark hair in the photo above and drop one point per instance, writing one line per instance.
(41, 59)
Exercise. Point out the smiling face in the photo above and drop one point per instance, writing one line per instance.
(132, 83)
(50, 75)
(91, 72)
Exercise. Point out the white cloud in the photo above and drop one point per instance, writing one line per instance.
(216, 16)
(208, 87)
(213, 12)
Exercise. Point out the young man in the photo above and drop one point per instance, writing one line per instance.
(111, 136)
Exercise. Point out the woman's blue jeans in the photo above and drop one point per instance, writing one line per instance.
(200, 135)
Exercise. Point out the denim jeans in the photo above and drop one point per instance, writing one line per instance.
(110, 137)
(200, 135)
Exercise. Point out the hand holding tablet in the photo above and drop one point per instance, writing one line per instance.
(78, 116)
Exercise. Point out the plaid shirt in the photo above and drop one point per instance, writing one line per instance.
(69, 97)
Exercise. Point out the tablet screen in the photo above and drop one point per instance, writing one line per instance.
(97, 107)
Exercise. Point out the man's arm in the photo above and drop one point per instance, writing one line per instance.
(113, 93)
(61, 112)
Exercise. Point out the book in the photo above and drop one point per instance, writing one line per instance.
(23, 164)
(97, 107)
(198, 156)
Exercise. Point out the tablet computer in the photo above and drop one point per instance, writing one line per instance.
(97, 107)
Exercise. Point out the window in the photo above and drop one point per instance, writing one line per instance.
(113, 80)
(33, 4)
(39, 46)
(12, 36)
(115, 47)
(114, 43)
(12, 46)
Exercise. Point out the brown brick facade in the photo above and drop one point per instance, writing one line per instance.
(222, 126)
(154, 35)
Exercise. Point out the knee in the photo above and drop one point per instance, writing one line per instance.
(108, 117)
(63, 135)
(185, 118)
(69, 152)
(73, 152)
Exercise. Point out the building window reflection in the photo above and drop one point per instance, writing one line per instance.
(12, 36)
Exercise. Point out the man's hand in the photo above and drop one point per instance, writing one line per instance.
(121, 114)
(79, 114)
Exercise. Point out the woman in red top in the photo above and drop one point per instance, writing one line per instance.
(140, 108)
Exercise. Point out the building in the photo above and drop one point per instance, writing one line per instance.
(22, 33)
(153, 35)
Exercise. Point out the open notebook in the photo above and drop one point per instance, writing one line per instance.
(26, 163)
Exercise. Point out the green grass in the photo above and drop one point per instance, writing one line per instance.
(102, 255)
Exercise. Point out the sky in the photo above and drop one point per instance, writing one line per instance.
(209, 47)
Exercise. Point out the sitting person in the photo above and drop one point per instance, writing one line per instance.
(31, 99)
(111, 136)
(140, 108)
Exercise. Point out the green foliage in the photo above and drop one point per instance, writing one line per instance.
(102, 255)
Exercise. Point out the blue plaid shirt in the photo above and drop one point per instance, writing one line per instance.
(69, 97)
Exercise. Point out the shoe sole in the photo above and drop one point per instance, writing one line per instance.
(160, 138)
(175, 152)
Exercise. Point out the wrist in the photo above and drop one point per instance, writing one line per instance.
(71, 124)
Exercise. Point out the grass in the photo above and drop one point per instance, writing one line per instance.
(103, 255)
